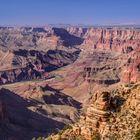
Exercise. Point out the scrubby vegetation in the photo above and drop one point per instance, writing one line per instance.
(137, 135)
(96, 136)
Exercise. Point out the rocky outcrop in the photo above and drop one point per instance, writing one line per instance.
(89, 74)
(137, 103)
(28, 65)
(19, 74)
(109, 115)
(102, 68)
(97, 114)
(95, 119)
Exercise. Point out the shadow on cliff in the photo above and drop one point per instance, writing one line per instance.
(116, 103)
(22, 123)
(69, 39)
(50, 60)
(58, 98)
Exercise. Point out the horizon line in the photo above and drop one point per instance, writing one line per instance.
(69, 24)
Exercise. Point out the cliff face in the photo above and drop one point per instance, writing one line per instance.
(131, 72)
(110, 114)
(41, 38)
(118, 40)
(104, 68)
(28, 65)
(115, 39)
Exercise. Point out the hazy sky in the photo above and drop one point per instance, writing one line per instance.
(42, 12)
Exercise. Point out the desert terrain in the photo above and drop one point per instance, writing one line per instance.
(70, 83)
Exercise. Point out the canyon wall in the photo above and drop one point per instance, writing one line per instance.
(64, 45)
(115, 39)
(124, 41)
(28, 65)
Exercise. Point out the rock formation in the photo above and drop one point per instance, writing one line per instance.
(62, 41)
(109, 115)
(28, 65)
(114, 39)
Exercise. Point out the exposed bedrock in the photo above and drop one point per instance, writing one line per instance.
(28, 65)
(56, 47)
(115, 39)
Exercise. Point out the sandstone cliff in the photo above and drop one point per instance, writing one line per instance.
(109, 115)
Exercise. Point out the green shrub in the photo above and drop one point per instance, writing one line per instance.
(40, 138)
(96, 136)
(137, 135)
(113, 136)
(49, 138)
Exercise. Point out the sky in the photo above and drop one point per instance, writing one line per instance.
(87, 12)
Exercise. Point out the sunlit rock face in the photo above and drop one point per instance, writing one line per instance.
(115, 39)
(106, 115)
(118, 40)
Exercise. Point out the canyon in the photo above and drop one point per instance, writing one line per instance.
(70, 82)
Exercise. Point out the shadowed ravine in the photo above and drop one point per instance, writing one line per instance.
(19, 122)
